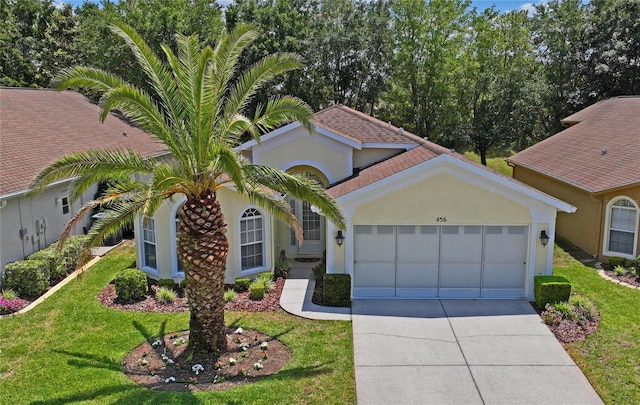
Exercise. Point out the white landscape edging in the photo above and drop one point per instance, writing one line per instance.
(54, 288)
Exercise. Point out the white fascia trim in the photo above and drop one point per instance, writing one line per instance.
(339, 138)
(250, 144)
(405, 146)
(20, 193)
(469, 174)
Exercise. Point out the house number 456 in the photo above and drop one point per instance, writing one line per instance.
(441, 219)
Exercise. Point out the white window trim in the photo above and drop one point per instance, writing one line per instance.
(266, 243)
(173, 245)
(144, 267)
(605, 247)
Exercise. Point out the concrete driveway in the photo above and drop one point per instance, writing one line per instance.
(461, 352)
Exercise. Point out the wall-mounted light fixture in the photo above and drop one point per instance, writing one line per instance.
(339, 238)
(544, 238)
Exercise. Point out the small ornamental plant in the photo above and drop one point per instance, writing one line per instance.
(264, 345)
(258, 366)
(143, 362)
(197, 368)
(239, 331)
(265, 355)
(237, 340)
(152, 372)
(217, 365)
(232, 361)
(218, 379)
(245, 354)
(9, 306)
(242, 372)
(169, 380)
(179, 341)
(193, 381)
(157, 343)
(255, 338)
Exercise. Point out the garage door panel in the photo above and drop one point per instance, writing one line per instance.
(461, 244)
(505, 244)
(418, 243)
(460, 275)
(372, 245)
(417, 275)
(503, 276)
(375, 275)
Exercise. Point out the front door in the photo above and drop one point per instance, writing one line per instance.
(312, 229)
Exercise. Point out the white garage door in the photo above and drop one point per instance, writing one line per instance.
(446, 261)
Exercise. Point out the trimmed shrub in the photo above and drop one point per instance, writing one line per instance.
(242, 284)
(550, 290)
(167, 283)
(336, 290)
(165, 296)
(282, 268)
(71, 253)
(616, 261)
(131, 284)
(28, 278)
(49, 254)
(229, 295)
(256, 291)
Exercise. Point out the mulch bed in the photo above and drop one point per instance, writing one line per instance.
(572, 331)
(627, 278)
(174, 372)
(270, 302)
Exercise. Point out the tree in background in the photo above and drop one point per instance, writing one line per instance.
(197, 110)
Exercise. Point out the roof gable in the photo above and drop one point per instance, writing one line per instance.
(601, 151)
(40, 126)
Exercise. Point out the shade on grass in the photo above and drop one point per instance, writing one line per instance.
(69, 349)
(610, 358)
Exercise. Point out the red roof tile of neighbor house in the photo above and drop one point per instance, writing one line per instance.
(360, 127)
(40, 126)
(601, 151)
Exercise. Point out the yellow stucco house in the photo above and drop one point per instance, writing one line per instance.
(422, 220)
(594, 165)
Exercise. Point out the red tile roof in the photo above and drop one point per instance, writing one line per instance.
(39, 126)
(601, 151)
(358, 126)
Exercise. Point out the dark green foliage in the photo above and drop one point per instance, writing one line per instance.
(49, 254)
(256, 291)
(131, 284)
(167, 282)
(550, 290)
(28, 278)
(282, 269)
(242, 284)
(617, 261)
(72, 252)
(319, 272)
(337, 290)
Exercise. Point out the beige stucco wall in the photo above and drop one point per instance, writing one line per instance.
(233, 205)
(22, 212)
(301, 148)
(585, 227)
(442, 195)
(365, 157)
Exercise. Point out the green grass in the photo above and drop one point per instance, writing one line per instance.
(498, 164)
(69, 349)
(610, 358)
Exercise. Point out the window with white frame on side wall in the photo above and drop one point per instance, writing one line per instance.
(252, 238)
(149, 243)
(621, 228)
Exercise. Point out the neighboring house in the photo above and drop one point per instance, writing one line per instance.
(594, 165)
(38, 127)
(422, 220)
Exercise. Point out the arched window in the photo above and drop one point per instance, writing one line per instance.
(251, 239)
(622, 230)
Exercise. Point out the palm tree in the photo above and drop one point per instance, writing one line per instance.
(195, 108)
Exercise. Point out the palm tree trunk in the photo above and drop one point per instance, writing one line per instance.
(203, 248)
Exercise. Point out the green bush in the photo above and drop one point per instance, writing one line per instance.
(336, 290)
(584, 307)
(266, 279)
(619, 270)
(165, 296)
(9, 294)
(242, 284)
(318, 272)
(71, 253)
(282, 268)
(28, 278)
(167, 283)
(49, 254)
(229, 295)
(616, 261)
(131, 284)
(550, 289)
(256, 291)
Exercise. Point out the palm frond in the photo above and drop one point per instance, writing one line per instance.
(86, 78)
(225, 161)
(279, 208)
(299, 187)
(91, 166)
(283, 109)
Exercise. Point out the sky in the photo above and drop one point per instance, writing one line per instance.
(501, 5)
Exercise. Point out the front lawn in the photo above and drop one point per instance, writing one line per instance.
(610, 358)
(69, 349)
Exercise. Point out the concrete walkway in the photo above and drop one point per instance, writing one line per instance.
(298, 291)
(461, 352)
